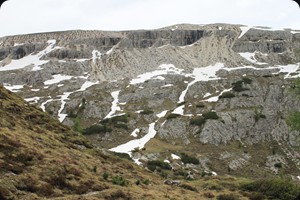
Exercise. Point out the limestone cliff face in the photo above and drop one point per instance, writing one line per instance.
(244, 75)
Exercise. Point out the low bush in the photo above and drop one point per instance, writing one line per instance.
(122, 126)
(274, 189)
(226, 95)
(189, 159)
(172, 116)
(123, 155)
(105, 175)
(96, 129)
(210, 115)
(147, 112)
(200, 105)
(119, 180)
(199, 121)
(158, 163)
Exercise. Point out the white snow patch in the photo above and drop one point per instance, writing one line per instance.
(18, 44)
(96, 55)
(173, 29)
(57, 78)
(136, 143)
(13, 88)
(179, 110)
(292, 68)
(167, 161)
(81, 59)
(201, 74)
(162, 114)
(35, 90)
(114, 106)
(251, 57)
(244, 30)
(44, 103)
(162, 70)
(216, 98)
(294, 32)
(207, 95)
(31, 59)
(175, 157)
(63, 99)
(168, 85)
(164, 46)
(135, 132)
(33, 99)
(86, 85)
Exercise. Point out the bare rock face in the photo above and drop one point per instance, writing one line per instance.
(198, 89)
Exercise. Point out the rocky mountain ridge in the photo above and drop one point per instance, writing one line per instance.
(185, 88)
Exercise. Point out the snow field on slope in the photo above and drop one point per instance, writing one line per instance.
(31, 59)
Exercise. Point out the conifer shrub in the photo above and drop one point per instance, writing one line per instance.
(189, 159)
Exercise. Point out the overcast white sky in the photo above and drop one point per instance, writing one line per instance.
(31, 16)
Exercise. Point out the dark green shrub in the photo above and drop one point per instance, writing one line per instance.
(274, 189)
(158, 163)
(172, 116)
(122, 126)
(199, 121)
(189, 159)
(200, 105)
(210, 115)
(146, 181)
(105, 175)
(122, 118)
(96, 129)
(119, 180)
(278, 165)
(247, 80)
(293, 120)
(227, 197)
(226, 95)
(123, 155)
(147, 112)
(180, 104)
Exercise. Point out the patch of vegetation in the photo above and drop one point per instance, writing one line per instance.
(77, 127)
(293, 120)
(173, 116)
(226, 95)
(274, 189)
(105, 175)
(94, 129)
(147, 112)
(210, 115)
(122, 126)
(239, 85)
(199, 121)
(189, 159)
(228, 197)
(123, 155)
(180, 104)
(278, 165)
(156, 164)
(119, 180)
(200, 105)
(258, 115)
